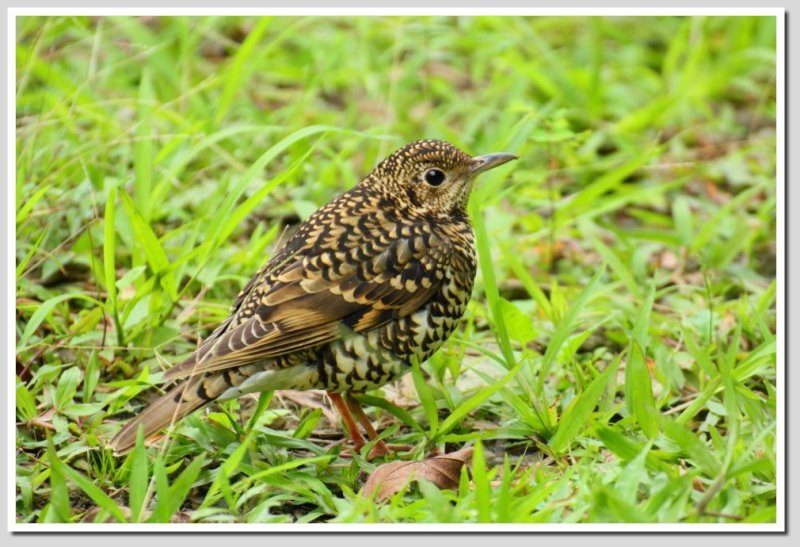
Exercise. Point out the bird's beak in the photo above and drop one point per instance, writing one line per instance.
(489, 161)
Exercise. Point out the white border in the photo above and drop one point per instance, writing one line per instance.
(780, 293)
(433, 11)
(11, 216)
(779, 526)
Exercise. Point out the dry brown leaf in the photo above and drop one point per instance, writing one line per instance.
(444, 471)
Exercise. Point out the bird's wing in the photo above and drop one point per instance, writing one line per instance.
(285, 255)
(317, 296)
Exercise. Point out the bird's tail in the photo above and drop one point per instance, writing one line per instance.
(171, 407)
(197, 391)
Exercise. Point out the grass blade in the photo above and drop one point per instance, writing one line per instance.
(67, 386)
(43, 311)
(394, 410)
(143, 147)
(639, 391)
(490, 283)
(638, 384)
(154, 253)
(138, 478)
(264, 398)
(483, 488)
(426, 397)
(161, 512)
(93, 491)
(566, 326)
(220, 224)
(26, 209)
(235, 74)
(288, 466)
(475, 401)
(109, 264)
(727, 363)
(692, 446)
(171, 497)
(59, 497)
(575, 416)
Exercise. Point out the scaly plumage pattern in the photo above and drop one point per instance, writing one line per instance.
(375, 278)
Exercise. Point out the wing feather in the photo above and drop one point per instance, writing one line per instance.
(314, 296)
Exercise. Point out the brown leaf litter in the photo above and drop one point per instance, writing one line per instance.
(443, 470)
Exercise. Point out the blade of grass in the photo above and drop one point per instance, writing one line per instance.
(710, 227)
(43, 311)
(175, 494)
(605, 183)
(59, 497)
(25, 402)
(566, 326)
(756, 361)
(229, 468)
(528, 282)
(627, 449)
(727, 363)
(143, 147)
(109, 264)
(25, 210)
(36, 247)
(490, 283)
(138, 478)
(161, 512)
(264, 398)
(286, 467)
(576, 415)
(691, 445)
(67, 386)
(307, 424)
(474, 402)
(237, 71)
(426, 397)
(220, 219)
(89, 488)
(699, 354)
(638, 385)
(154, 253)
(620, 269)
(394, 410)
(98, 496)
(483, 488)
(91, 376)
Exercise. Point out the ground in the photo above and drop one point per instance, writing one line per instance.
(617, 362)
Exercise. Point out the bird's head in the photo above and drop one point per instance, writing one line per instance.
(432, 177)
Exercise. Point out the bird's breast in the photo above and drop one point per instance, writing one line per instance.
(368, 360)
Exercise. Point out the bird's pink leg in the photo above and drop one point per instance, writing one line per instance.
(380, 447)
(347, 418)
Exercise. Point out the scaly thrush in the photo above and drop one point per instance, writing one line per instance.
(376, 278)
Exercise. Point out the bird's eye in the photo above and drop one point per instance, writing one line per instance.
(434, 177)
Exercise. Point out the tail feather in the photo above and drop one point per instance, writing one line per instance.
(198, 391)
(171, 407)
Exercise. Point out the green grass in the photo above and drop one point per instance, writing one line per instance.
(617, 362)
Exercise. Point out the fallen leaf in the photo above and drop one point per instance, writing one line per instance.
(444, 471)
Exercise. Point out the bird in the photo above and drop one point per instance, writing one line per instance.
(372, 281)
